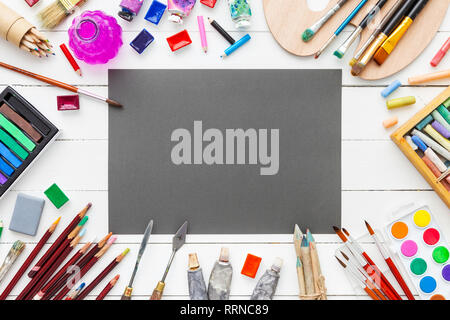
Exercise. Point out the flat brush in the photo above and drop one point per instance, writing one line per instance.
(363, 24)
(390, 262)
(309, 33)
(55, 13)
(11, 257)
(358, 280)
(384, 280)
(391, 42)
(60, 84)
(341, 28)
(382, 36)
(376, 32)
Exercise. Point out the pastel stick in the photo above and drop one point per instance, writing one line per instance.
(432, 144)
(437, 116)
(13, 145)
(16, 133)
(6, 168)
(437, 137)
(20, 122)
(424, 122)
(441, 129)
(9, 156)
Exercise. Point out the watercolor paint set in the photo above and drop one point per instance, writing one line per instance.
(423, 251)
(24, 134)
(425, 140)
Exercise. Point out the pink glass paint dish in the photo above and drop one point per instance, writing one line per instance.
(95, 37)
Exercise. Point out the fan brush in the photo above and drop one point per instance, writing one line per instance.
(13, 253)
(55, 13)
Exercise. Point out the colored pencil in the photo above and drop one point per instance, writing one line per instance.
(309, 33)
(54, 265)
(392, 293)
(222, 31)
(108, 288)
(298, 235)
(364, 276)
(390, 263)
(71, 59)
(59, 240)
(80, 264)
(305, 251)
(80, 273)
(391, 42)
(60, 84)
(54, 260)
(201, 28)
(29, 260)
(341, 27)
(102, 275)
(319, 279)
(365, 265)
(358, 280)
(1, 228)
(62, 271)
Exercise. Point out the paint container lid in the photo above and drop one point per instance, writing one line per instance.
(193, 261)
(224, 255)
(277, 264)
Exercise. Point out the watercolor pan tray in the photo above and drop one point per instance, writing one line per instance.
(46, 131)
(422, 249)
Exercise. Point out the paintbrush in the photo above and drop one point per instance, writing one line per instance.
(178, 241)
(74, 293)
(129, 289)
(341, 28)
(55, 13)
(310, 32)
(390, 262)
(358, 280)
(298, 235)
(60, 84)
(361, 251)
(14, 252)
(363, 276)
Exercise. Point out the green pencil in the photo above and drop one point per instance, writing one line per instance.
(1, 228)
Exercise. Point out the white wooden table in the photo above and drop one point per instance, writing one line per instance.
(375, 174)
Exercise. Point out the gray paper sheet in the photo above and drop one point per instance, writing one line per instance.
(150, 139)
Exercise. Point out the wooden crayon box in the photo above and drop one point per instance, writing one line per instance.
(441, 187)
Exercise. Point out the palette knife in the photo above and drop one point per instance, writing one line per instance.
(179, 239)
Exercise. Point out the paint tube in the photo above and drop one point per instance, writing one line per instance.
(129, 9)
(267, 284)
(220, 279)
(179, 9)
(240, 13)
(197, 287)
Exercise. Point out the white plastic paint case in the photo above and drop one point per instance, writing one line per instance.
(415, 233)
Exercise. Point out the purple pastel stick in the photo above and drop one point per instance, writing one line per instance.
(441, 129)
(2, 179)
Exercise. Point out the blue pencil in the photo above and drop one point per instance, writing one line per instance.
(341, 27)
(235, 46)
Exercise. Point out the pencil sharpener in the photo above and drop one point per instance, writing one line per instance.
(129, 9)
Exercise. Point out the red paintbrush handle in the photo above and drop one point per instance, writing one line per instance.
(62, 281)
(371, 294)
(80, 275)
(399, 279)
(53, 267)
(42, 271)
(375, 289)
(376, 277)
(97, 280)
(25, 265)
(384, 280)
(54, 247)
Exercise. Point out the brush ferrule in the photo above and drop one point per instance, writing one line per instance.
(69, 5)
(319, 23)
(360, 52)
(368, 55)
(347, 43)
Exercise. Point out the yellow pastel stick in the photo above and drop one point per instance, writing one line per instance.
(400, 102)
(437, 136)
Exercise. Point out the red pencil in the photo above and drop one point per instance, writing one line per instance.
(54, 265)
(80, 274)
(384, 280)
(71, 59)
(29, 260)
(102, 275)
(53, 260)
(58, 241)
(62, 271)
(390, 263)
(108, 288)
(366, 266)
(71, 269)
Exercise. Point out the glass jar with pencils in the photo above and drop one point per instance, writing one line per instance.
(95, 37)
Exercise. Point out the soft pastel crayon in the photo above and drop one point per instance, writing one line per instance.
(437, 116)
(388, 123)
(437, 137)
(428, 119)
(400, 102)
(441, 129)
(391, 88)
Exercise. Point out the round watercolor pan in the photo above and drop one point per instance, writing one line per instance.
(399, 230)
(409, 248)
(428, 284)
(440, 254)
(421, 218)
(418, 266)
(438, 297)
(431, 236)
(446, 273)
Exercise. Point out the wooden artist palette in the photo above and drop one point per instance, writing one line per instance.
(24, 134)
(287, 19)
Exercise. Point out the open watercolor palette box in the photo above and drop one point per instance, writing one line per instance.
(423, 251)
(24, 134)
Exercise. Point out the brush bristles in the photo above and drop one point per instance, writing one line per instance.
(357, 69)
(307, 35)
(369, 228)
(380, 56)
(55, 13)
(114, 103)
